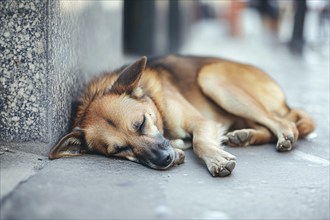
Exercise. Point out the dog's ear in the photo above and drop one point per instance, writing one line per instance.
(128, 79)
(70, 145)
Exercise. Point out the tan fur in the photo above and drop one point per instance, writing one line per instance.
(142, 111)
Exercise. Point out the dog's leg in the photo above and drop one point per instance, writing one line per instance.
(305, 124)
(181, 144)
(250, 94)
(207, 137)
(249, 136)
(235, 101)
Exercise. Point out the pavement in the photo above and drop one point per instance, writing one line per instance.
(264, 185)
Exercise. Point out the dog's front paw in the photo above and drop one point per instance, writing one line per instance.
(179, 157)
(220, 166)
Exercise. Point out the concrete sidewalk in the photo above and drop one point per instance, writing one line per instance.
(264, 185)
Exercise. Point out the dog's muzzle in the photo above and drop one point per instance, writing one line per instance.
(162, 156)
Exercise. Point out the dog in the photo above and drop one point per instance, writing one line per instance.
(150, 111)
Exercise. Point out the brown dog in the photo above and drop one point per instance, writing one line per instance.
(149, 112)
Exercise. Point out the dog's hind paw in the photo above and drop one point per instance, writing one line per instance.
(287, 137)
(285, 143)
(239, 138)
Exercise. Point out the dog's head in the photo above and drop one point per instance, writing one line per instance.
(124, 122)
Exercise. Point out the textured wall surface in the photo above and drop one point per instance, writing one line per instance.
(48, 51)
(23, 57)
(84, 40)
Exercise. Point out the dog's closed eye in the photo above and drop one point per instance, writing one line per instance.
(139, 126)
(111, 123)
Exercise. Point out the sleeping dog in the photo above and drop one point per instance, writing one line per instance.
(150, 111)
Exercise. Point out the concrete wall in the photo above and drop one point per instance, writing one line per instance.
(48, 49)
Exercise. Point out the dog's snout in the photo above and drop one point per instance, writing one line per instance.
(159, 155)
(164, 144)
(164, 159)
(164, 156)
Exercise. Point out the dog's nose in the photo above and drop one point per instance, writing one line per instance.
(164, 159)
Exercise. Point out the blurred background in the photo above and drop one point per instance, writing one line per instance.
(166, 25)
(206, 27)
